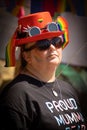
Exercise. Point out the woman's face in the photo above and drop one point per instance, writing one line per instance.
(49, 57)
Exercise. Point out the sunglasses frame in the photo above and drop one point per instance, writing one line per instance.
(39, 44)
(47, 27)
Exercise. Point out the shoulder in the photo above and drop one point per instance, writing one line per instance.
(14, 96)
(20, 82)
(64, 84)
(67, 88)
(15, 91)
(14, 86)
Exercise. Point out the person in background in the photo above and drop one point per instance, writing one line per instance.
(36, 99)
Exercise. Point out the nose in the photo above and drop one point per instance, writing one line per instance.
(52, 47)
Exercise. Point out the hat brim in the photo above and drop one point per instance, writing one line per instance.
(45, 35)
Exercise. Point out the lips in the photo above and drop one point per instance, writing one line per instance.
(53, 55)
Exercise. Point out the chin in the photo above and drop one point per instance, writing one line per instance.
(54, 62)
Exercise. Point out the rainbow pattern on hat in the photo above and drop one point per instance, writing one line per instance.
(63, 26)
(10, 53)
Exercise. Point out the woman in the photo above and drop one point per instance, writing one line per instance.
(36, 99)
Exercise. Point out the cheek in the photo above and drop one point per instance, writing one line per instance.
(61, 54)
(59, 51)
(39, 56)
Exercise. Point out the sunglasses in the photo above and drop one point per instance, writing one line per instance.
(32, 31)
(45, 44)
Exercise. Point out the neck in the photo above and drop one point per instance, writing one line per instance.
(45, 76)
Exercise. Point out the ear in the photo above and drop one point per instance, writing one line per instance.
(26, 57)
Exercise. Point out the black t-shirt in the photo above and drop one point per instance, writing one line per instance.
(29, 104)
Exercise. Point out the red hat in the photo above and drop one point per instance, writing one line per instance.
(37, 26)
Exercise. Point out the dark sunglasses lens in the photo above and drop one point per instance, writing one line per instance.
(43, 44)
(57, 42)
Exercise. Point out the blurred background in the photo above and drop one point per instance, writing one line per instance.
(74, 63)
